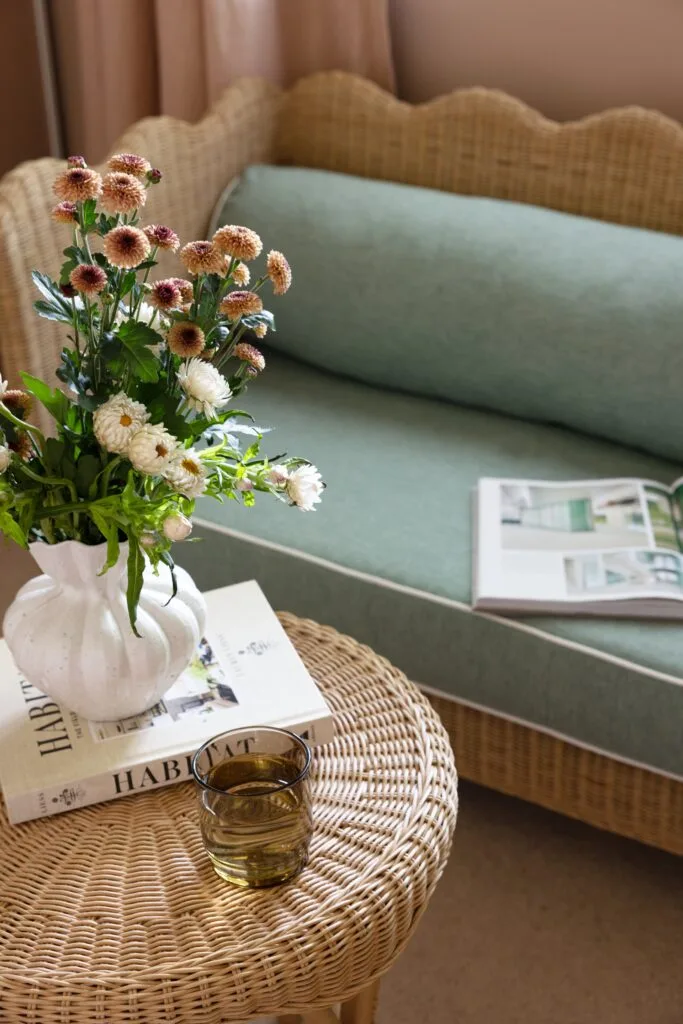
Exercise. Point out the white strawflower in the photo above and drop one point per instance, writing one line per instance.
(206, 390)
(5, 458)
(278, 475)
(117, 421)
(148, 540)
(3, 386)
(151, 449)
(144, 315)
(186, 474)
(177, 527)
(305, 487)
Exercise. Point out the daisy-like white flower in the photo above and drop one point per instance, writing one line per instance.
(241, 275)
(206, 390)
(202, 258)
(165, 295)
(186, 474)
(144, 315)
(65, 213)
(125, 246)
(177, 527)
(88, 278)
(122, 193)
(162, 237)
(151, 449)
(239, 242)
(249, 354)
(186, 339)
(237, 304)
(117, 421)
(304, 487)
(279, 272)
(5, 458)
(130, 163)
(77, 184)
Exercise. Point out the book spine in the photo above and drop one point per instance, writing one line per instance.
(127, 780)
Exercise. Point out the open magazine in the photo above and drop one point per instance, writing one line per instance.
(588, 547)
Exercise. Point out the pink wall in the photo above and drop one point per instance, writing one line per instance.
(567, 58)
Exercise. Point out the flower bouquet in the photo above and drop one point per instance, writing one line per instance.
(146, 422)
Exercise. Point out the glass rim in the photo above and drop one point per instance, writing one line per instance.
(259, 728)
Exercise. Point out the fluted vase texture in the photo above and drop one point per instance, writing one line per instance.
(70, 636)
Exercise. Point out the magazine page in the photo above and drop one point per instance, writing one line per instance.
(579, 541)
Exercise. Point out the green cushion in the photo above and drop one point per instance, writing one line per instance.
(492, 304)
(387, 558)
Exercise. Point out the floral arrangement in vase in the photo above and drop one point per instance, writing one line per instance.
(146, 421)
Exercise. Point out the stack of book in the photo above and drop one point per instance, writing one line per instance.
(246, 673)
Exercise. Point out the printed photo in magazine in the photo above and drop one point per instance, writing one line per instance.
(593, 547)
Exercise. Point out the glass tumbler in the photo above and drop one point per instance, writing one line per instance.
(255, 804)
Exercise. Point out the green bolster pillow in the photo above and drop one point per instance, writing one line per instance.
(487, 303)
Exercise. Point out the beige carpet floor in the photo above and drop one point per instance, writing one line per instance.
(537, 920)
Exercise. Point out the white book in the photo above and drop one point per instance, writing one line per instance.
(609, 547)
(246, 673)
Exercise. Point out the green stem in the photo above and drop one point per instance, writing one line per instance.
(107, 472)
(4, 411)
(152, 256)
(51, 481)
(226, 352)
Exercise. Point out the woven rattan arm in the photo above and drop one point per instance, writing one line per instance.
(197, 162)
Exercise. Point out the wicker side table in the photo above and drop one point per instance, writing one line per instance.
(113, 913)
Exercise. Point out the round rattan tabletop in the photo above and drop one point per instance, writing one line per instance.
(113, 913)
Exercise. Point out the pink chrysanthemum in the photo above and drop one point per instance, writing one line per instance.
(185, 339)
(237, 304)
(65, 213)
(88, 279)
(185, 288)
(279, 272)
(77, 184)
(125, 246)
(249, 354)
(162, 237)
(241, 275)
(130, 163)
(239, 242)
(202, 258)
(164, 295)
(122, 193)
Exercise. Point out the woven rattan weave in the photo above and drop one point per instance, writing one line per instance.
(113, 913)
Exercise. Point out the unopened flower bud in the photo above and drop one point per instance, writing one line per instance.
(177, 527)
(76, 161)
(154, 176)
(148, 540)
(244, 485)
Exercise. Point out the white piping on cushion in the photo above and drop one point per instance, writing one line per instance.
(448, 602)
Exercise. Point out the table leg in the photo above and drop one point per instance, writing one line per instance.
(362, 1008)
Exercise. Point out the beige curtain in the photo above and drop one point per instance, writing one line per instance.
(119, 60)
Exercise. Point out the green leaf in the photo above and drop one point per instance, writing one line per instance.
(167, 559)
(11, 529)
(54, 400)
(136, 568)
(143, 363)
(134, 333)
(54, 453)
(264, 317)
(49, 311)
(49, 289)
(127, 284)
(110, 532)
(87, 469)
(89, 214)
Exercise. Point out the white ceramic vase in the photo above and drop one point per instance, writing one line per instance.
(70, 636)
